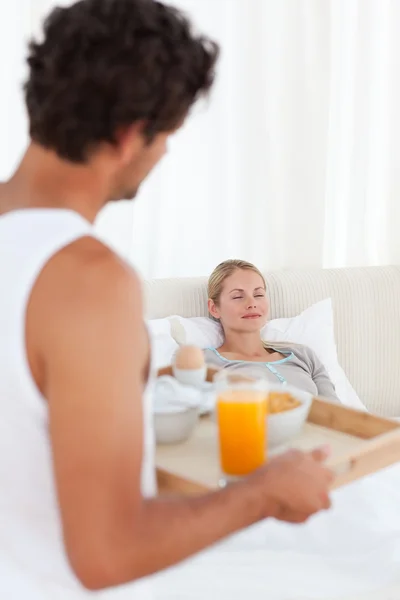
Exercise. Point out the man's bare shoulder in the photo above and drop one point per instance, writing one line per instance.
(89, 257)
(88, 272)
(84, 292)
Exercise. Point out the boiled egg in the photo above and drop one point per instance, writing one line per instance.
(189, 365)
(189, 357)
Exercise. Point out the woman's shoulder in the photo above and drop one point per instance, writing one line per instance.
(299, 351)
(209, 351)
(211, 356)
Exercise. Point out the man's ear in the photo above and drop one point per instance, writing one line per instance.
(130, 141)
(212, 309)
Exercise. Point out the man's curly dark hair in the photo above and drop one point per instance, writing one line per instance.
(106, 64)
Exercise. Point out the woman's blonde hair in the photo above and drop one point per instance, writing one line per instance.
(216, 283)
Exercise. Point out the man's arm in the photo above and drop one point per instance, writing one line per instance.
(94, 353)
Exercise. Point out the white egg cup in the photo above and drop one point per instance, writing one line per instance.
(194, 377)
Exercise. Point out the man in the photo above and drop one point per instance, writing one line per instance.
(111, 81)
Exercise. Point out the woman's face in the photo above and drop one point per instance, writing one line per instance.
(243, 304)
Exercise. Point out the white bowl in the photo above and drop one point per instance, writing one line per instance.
(286, 425)
(174, 425)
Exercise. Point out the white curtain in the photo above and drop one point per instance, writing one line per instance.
(292, 162)
(14, 27)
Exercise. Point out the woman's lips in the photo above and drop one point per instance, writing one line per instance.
(251, 317)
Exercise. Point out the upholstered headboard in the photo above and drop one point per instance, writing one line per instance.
(367, 319)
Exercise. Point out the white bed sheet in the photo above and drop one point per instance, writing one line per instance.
(351, 552)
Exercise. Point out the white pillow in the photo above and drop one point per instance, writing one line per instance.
(163, 345)
(314, 328)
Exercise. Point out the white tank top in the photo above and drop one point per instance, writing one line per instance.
(33, 564)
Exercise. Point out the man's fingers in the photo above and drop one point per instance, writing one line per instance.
(321, 454)
(295, 516)
(326, 501)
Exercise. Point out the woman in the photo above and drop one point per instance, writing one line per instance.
(237, 299)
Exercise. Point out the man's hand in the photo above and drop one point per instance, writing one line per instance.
(296, 485)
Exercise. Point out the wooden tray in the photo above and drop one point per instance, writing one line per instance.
(361, 444)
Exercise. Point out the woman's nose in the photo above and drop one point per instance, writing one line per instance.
(251, 304)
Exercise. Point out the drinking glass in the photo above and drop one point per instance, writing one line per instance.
(241, 409)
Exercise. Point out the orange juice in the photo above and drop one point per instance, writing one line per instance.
(242, 416)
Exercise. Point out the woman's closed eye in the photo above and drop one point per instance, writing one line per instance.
(255, 296)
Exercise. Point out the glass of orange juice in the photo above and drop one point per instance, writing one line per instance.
(242, 422)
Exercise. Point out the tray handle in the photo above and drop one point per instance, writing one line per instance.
(373, 455)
